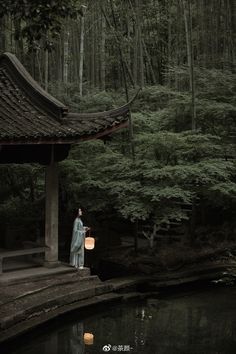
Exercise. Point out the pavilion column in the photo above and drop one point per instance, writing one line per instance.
(51, 213)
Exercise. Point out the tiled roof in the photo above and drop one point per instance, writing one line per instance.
(28, 114)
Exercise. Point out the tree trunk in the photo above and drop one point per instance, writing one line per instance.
(2, 35)
(169, 43)
(92, 57)
(188, 32)
(138, 40)
(81, 54)
(103, 53)
(46, 71)
(19, 41)
(135, 64)
(66, 54)
(152, 74)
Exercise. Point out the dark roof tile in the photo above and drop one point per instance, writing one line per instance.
(28, 114)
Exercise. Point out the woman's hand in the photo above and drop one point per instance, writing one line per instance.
(86, 228)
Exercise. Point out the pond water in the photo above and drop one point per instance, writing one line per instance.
(182, 323)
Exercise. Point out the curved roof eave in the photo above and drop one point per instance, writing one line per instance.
(29, 115)
(32, 88)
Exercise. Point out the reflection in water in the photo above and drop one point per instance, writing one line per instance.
(185, 324)
(88, 338)
(74, 339)
(68, 340)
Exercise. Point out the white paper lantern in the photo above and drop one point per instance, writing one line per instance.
(89, 243)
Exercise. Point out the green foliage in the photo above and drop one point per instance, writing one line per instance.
(171, 108)
(154, 186)
(98, 101)
(173, 165)
(39, 18)
(22, 189)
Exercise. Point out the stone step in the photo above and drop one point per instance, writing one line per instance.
(125, 283)
(21, 311)
(30, 323)
(38, 274)
(135, 295)
(29, 292)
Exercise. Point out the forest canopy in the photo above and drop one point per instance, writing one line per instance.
(177, 164)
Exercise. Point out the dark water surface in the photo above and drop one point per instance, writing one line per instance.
(183, 323)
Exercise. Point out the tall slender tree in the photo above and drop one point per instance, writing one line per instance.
(189, 43)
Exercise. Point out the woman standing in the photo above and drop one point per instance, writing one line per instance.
(77, 242)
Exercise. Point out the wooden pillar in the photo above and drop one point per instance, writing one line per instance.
(51, 213)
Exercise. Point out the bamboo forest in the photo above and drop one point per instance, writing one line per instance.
(159, 193)
(176, 164)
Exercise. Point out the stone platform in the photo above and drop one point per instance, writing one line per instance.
(38, 273)
(33, 296)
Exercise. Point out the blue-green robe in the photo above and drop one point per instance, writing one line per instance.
(77, 244)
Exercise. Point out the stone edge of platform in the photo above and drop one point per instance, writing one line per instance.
(113, 290)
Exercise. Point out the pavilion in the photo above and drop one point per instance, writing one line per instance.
(37, 128)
